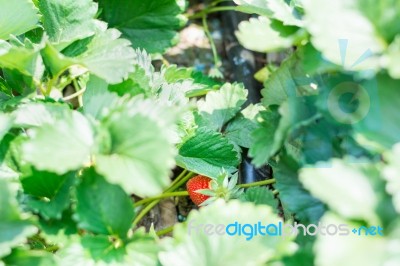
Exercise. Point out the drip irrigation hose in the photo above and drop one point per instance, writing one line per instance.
(243, 65)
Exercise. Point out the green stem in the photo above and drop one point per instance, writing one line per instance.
(76, 94)
(154, 202)
(259, 183)
(178, 178)
(207, 11)
(180, 183)
(145, 211)
(162, 196)
(41, 88)
(217, 61)
(165, 231)
(52, 248)
(217, 2)
(51, 82)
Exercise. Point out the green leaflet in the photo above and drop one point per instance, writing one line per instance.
(99, 250)
(207, 152)
(5, 124)
(106, 55)
(38, 114)
(47, 193)
(17, 17)
(353, 33)
(265, 35)
(267, 142)
(194, 248)
(97, 98)
(61, 146)
(24, 58)
(295, 198)
(151, 25)
(65, 22)
(141, 153)
(24, 257)
(278, 9)
(97, 213)
(220, 106)
(260, 196)
(201, 84)
(325, 181)
(381, 123)
(239, 131)
(390, 173)
(14, 229)
(289, 81)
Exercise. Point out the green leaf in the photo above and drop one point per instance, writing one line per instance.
(142, 152)
(90, 250)
(141, 250)
(174, 94)
(240, 130)
(196, 248)
(17, 17)
(384, 17)
(201, 84)
(352, 32)
(102, 249)
(97, 98)
(5, 90)
(350, 250)
(390, 173)
(6, 122)
(103, 208)
(66, 21)
(289, 81)
(48, 193)
(381, 123)
(6, 172)
(277, 9)
(38, 114)
(316, 141)
(26, 60)
(266, 141)
(206, 153)
(304, 255)
(22, 257)
(10, 159)
(393, 55)
(61, 146)
(142, 80)
(260, 196)
(150, 25)
(265, 35)
(58, 232)
(221, 106)
(259, 7)
(14, 230)
(22, 84)
(292, 194)
(355, 200)
(318, 66)
(106, 55)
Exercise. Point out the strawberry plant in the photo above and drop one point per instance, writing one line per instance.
(97, 129)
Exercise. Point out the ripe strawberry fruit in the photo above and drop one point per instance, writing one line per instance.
(196, 183)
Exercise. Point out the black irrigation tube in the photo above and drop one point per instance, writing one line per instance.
(243, 67)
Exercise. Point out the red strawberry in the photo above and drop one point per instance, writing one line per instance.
(196, 183)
